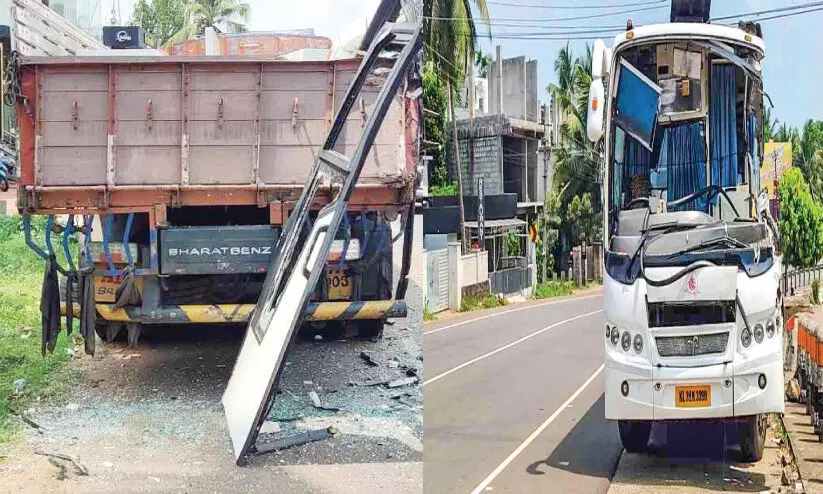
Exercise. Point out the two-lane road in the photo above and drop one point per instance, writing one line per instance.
(514, 401)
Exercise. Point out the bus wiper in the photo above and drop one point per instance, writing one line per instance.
(710, 243)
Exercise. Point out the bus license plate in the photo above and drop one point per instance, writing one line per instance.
(339, 284)
(693, 396)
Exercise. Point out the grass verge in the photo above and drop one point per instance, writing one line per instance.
(488, 301)
(21, 273)
(552, 289)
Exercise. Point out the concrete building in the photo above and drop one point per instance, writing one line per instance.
(503, 141)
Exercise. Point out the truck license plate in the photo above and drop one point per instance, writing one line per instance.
(339, 284)
(692, 396)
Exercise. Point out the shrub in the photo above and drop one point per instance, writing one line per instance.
(816, 292)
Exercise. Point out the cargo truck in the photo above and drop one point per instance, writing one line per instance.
(692, 286)
(180, 171)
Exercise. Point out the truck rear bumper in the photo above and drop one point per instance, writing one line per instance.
(236, 313)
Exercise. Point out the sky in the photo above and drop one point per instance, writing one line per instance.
(792, 68)
(340, 20)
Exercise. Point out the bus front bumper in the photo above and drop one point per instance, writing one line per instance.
(652, 391)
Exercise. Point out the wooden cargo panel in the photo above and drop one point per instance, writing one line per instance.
(132, 166)
(221, 165)
(75, 165)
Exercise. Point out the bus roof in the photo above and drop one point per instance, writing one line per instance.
(687, 30)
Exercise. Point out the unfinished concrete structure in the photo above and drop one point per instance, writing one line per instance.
(503, 145)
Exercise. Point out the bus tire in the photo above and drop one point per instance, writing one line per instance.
(635, 435)
(752, 432)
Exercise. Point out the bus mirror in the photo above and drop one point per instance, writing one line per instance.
(594, 123)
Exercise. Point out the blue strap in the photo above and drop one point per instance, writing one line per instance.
(66, 233)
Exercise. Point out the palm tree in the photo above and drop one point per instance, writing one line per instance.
(576, 160)
(451, 38)
(228, 16)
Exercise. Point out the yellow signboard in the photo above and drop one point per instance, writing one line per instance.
(777, 158)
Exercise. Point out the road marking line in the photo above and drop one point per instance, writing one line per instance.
(515, 342)
(487, 316)
(536, 433)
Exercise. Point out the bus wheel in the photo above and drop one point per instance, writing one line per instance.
(635, 435)
(752, 432)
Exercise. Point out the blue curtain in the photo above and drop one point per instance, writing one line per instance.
(753, 147)
(683, 153)
(723, 125)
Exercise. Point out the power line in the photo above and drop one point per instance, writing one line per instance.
(559, 19)
(575, 7)
(770, 11)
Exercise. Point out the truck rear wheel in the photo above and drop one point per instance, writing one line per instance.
(752, 432)
(370, 329)
(635, 435)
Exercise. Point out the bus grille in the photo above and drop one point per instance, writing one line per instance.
(688, 346)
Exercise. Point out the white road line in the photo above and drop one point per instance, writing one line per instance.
(515, 342)
(537, 432)
(488, 316)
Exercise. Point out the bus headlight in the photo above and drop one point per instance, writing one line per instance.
(770, 328)
(746, 337)
(638, 343)
(758, 333)
(615, 335)
(626, 341)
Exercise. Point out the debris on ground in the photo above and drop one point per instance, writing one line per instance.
(296, 440)
(368, 359)
(79, 468)
(315, 400)
(402, 382)
(270, 427)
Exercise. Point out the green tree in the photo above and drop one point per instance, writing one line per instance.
(583, 221)
(801, 221)
(769, 124)
(576, 159)
(161, 19)
(228, 16)
(807, 154)
(451, 34)
(549, 223)
(482, 63)
(451, 38)
(434, 124)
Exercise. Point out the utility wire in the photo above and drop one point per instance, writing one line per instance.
(559, 19)
(576, 7)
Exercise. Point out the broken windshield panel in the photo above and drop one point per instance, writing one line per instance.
(701, 128)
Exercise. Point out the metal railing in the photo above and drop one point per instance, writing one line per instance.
(798, 278)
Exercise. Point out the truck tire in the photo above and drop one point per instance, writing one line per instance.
(370, 329)
(752, 431)
(635, 435)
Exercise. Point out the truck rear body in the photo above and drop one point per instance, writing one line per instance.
(195, 163)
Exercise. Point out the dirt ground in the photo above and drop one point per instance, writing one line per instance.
(149, 419)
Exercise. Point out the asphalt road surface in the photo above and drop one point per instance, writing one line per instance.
(514, 401)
